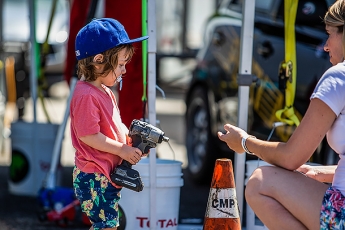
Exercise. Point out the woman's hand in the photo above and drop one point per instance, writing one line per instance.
(322, 173)
(233, 137)
(308, 171)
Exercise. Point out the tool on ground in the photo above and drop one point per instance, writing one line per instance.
(144, 136)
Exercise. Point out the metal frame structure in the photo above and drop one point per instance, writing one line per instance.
(245, 79)
(244, 72)
(152, 50)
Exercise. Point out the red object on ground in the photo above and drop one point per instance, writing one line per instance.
(66, 214)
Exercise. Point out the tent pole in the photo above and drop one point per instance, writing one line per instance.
(245, 79)
(152, 50)
(33, 61)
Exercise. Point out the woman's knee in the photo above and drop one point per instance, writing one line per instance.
(253, 183)
(256, 180)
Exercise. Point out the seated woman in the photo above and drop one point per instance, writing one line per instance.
(282, 197)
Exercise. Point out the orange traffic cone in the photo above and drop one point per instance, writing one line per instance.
(222, 212)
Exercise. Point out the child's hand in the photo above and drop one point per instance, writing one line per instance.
(145, 154)
(131, 154)
(129, 140)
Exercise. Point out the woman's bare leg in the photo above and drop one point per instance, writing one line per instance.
(284, 199)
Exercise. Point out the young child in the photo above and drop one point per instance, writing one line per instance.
(101, 140)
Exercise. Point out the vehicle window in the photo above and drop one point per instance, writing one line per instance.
(309, 12)
(330, 2)
(260, 5)
(263, 4)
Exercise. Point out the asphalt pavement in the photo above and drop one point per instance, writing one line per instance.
(21, 211)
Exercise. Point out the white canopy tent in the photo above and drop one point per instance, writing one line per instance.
(245, 79)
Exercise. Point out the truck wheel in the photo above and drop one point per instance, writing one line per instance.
(200, 144)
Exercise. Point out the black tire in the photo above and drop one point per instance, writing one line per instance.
(42, 215)
(200, 143)
(62, 222)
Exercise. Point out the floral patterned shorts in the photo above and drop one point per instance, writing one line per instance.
(333, 210)
(98, 198)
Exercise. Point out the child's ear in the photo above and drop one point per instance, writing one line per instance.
(98, 58)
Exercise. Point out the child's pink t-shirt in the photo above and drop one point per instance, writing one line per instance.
(93, 111)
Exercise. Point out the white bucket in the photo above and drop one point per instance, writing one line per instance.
(32, 148)
(136, 205)
(252, 221)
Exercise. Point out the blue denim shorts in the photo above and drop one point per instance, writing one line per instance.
(333, 210)
(98, 198)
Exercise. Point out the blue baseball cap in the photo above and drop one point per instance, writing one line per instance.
(100, 35)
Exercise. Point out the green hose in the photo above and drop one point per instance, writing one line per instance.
(144, 51)
(42, 62)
